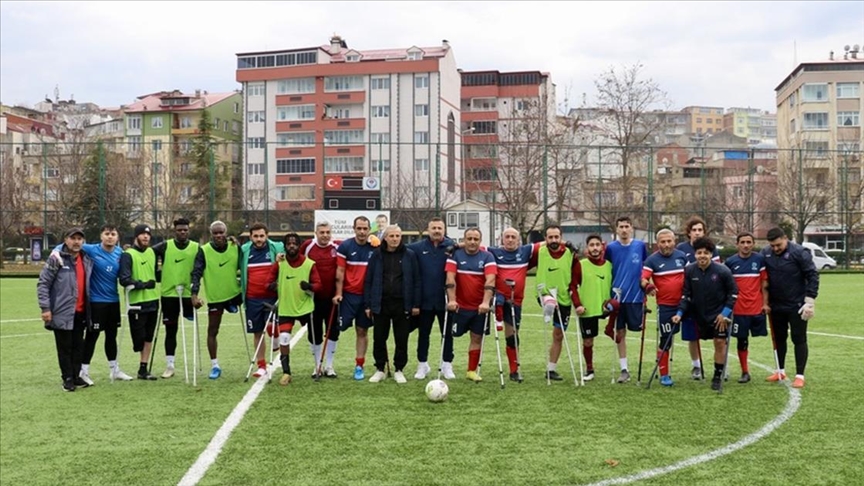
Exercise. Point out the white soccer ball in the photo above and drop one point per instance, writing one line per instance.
(437, 390)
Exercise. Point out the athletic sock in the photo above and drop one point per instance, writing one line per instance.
(331, 351)
(286, 366)
(170, 360)
(782, 371)
(742, 356)
(511, 358)
(360, 362)
(85, 368)
(550, 366)
(142, 368)
(588, 352)
(262, 363)
(664, 363)
(718, 370)
(111, 364)
(214, 363)
(697, 363)
(623, 363)
(316, 352)
(473, 359)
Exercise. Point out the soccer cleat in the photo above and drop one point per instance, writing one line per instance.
(696, 373)
(422, 370)
(798, 382)
(285, 380)
(146, 376)
(715, 383)
(554, 376)
(260, 372)
(85, 377)
(232, 308)
(358, 373)
(80, 383)
(666, 380)
(447, 370)
(377, 377)
(624, 377)
(589, 375)
(745, 378)
(400, 377)
(473, 376)
(215, 373)
(169, 372)
(329, 372)
(117, 374)
(68, 385)
(776, 376)
(516, 376)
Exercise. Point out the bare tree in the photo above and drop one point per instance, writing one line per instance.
(804, 189)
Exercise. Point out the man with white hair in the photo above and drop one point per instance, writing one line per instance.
(217, 262)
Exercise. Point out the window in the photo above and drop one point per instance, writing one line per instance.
(421, 81)
(134, 145)
(792, 99)
(216, 124)
(343, 83)
(421, 164)
(185, 122)
(792, 126)
(296, 193)
(52, 172)
(133, 122)
(737, 192)
(415, 56)
(295, 166)
(225, 126)
(185, 193)
(255, 117)
(816, 149)
(343, 137)
(479, 174)
(255, 142)
(421, 110)
(522, 105)
(236, 107)
(256, 89)
(698, 120)
(847, 90)
(295, 139)
(383, 137)
(814, 92)
(421, 137)
(485, 127)
(482, 151)
(605, 199)
(849, 147)
(343, 164)
(380, 83)
(465, 220)
(235, 127)
(157, 145)
(295, 112)
(255, 169)
(156, 122)
(295, 86)
(185, 146)
(382, 111)
(709, 120)
(815, 121)
(848, 119)
(381, 165)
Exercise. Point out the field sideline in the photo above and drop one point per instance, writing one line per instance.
(344, 432)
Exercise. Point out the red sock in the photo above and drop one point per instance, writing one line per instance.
(511, 358)
(360, 361)
(473, 359)
(588, 352)
(742, 356)
(262, 363)
(499, 312)
(664, 363)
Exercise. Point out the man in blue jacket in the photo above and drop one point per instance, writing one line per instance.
(392, 295)
(793, 285)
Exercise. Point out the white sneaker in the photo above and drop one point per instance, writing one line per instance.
(117, 374)
(447, 370)
(86, 377)
(169, 372)
(329, 372)
(399, 377)
(379, 376)
(261, 372)
(422, 370)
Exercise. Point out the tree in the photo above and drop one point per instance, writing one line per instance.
(13, 201)
(804, 191)
(208, 176)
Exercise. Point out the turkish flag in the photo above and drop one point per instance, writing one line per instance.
(332, 183)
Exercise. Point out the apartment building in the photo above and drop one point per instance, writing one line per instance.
(705, 119)
(757, 126)
(333, 127)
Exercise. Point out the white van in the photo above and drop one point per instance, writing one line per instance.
(820, 258)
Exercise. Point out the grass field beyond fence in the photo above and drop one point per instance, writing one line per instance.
(345, 432)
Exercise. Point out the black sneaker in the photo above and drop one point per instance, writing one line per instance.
(516, 376)
(745, 378)
(69, 385)
(554, 376)
(715, 383)
(80, 383)
(146, 376)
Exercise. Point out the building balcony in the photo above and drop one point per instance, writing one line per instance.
(184, 131)
(476, 115)
(297, 152)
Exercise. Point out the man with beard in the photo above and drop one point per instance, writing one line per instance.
(257, 261)
(595, 286)
(138, 268)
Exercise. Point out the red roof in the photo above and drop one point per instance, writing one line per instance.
(387, 54)
(153, 102)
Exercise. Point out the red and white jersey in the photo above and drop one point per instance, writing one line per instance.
(749, 273)
(513, 265)
(471, 272)
(354, 258)
(325, 263)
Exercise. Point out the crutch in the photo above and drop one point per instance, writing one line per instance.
(182, 321)
(698, 349)
(260, 343)
(774, 345)
(645, 313)
(444, 334)
(244, 327)
(540, 289)
(554, 292)
(273, 322)
(155, 341)
(667, 346)
(128, 289)
(320, 365)
(497, 349)
(512, 284)
(482, 343)
(315, 375)
(726, 352)
(617, 292)
(196, 350)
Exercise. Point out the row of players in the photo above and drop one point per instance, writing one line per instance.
(409, 287)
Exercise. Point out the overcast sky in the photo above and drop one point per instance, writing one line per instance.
(701, 53)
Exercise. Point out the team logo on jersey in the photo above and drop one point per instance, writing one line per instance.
(714, 277)
(736, 267)
(109, 268)
(662, 265)
(678, 263)
(480, 264)
(754, 266)
(636, 259)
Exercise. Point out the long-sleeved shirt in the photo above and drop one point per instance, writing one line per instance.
(201, 264)
(708, 293)
(791, 277)
(432, 259)
(125, 278)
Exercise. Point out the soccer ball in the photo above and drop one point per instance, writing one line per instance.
(437, 390)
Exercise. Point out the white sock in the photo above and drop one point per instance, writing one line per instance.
(550, 366)
(782, 371)
(85, 368)
(316, 352)
(111, 364)
(214, 363)
(697, 363)
(331, 350)
(799, 376)
(170, 360)
(623, 363)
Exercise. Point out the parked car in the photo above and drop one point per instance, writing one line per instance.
(820, 258)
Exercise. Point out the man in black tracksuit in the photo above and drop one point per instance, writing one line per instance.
(793, 285)
(709, 295)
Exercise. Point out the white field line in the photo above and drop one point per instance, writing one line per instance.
(26, 335)
(4, 321)
(208, 457)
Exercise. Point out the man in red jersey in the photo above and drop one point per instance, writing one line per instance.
(322, 251)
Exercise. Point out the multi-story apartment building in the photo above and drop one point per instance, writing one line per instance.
(705, 119)
(757, 126)
(819, 130)
(332, 127)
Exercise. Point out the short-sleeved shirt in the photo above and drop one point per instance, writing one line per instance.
(471, 272)
(749, 273)
(627, 262)
(513, 265)
(106, 266)
(354, 258)
(325, 262)
(667, 273)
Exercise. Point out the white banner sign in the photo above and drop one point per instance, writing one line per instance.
(342, 222)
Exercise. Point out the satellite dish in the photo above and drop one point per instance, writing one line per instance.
(760, 169)
(856, 48)
(846, 48)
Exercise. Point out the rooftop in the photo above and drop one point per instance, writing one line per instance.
(153, 101)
